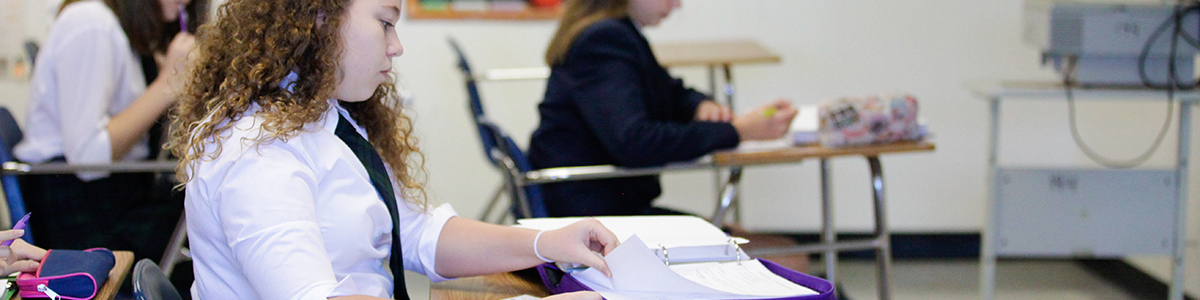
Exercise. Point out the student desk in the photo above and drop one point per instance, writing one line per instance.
(115, 277)
(829, 244)
(487, 287)
(1054, 91)
(713, 54)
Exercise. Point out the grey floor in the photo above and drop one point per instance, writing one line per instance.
(959, 279)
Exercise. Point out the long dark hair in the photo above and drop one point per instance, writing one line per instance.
(141, 20)
(578, 16)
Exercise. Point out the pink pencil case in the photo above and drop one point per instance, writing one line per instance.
(68, 274)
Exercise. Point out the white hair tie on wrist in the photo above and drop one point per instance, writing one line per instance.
(535, 243)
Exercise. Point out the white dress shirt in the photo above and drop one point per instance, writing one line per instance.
(85, 73)
(298, 219)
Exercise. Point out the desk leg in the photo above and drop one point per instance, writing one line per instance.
(828, 234)
(987, 256)
(1181, 200)
(729, 193)
(712, 88)
(737, 204)
(883, 239)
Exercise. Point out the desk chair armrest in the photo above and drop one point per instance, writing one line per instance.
(562, 174)
(511, 74)
(17, 168)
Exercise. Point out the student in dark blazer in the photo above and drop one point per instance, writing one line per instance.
(609, 102)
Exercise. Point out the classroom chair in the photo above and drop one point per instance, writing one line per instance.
(501, 151)
(10, 135)
(149, 282)
(31, 51)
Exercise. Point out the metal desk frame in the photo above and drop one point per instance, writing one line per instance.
(1027, 90)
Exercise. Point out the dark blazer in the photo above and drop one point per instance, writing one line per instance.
(610, 102)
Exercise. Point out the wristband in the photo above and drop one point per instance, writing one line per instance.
(535, 243)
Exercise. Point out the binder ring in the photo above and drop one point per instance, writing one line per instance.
(666, 259)
(737, 250)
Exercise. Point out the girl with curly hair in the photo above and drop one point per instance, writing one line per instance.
(301, 170)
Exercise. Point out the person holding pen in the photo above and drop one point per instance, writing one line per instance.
(302, 170)
(105, 74)
(609, 102)
(16, 255)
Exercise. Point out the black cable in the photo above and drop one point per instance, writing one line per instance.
(1176, 20)
(1172, 83)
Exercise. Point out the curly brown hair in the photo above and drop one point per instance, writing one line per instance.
(243, 56)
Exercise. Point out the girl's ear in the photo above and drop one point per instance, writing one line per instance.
(320, 18)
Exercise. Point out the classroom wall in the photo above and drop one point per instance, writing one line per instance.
(931, 49)
(830, 48)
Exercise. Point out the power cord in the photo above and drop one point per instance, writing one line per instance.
(1097, 157)
(1173, 83)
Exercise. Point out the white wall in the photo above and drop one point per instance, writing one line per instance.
(830, 48)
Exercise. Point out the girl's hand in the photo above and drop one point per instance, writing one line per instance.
(173, 64)
(710, 111)
(579, 243)
(21, 256)
(768, 122)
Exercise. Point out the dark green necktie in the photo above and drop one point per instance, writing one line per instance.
(379, 178)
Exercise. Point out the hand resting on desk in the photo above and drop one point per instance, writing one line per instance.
(767, 122)
(21, 256)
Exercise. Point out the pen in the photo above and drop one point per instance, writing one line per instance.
(24, 222)
(183, 20)
(570, 267)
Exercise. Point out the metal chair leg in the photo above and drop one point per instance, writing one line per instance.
(176, 253)
(483, 216)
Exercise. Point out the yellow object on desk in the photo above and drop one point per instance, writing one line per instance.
(770, 111)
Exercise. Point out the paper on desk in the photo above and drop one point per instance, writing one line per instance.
(639, 274)
(749, 277)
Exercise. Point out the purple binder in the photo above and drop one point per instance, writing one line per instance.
(559, 282)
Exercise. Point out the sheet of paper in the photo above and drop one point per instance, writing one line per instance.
(668, 231)
(749, 277)
(522, 297)
(635, 268)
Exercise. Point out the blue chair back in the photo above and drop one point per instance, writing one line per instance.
(495, 139)
(150, 283)
(31, 51)
(10, 135)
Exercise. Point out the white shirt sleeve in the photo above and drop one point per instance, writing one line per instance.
(420, 232)
(87, 81)
(269, 218)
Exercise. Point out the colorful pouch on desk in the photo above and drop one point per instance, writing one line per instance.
(68, 274)
(874, 119)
